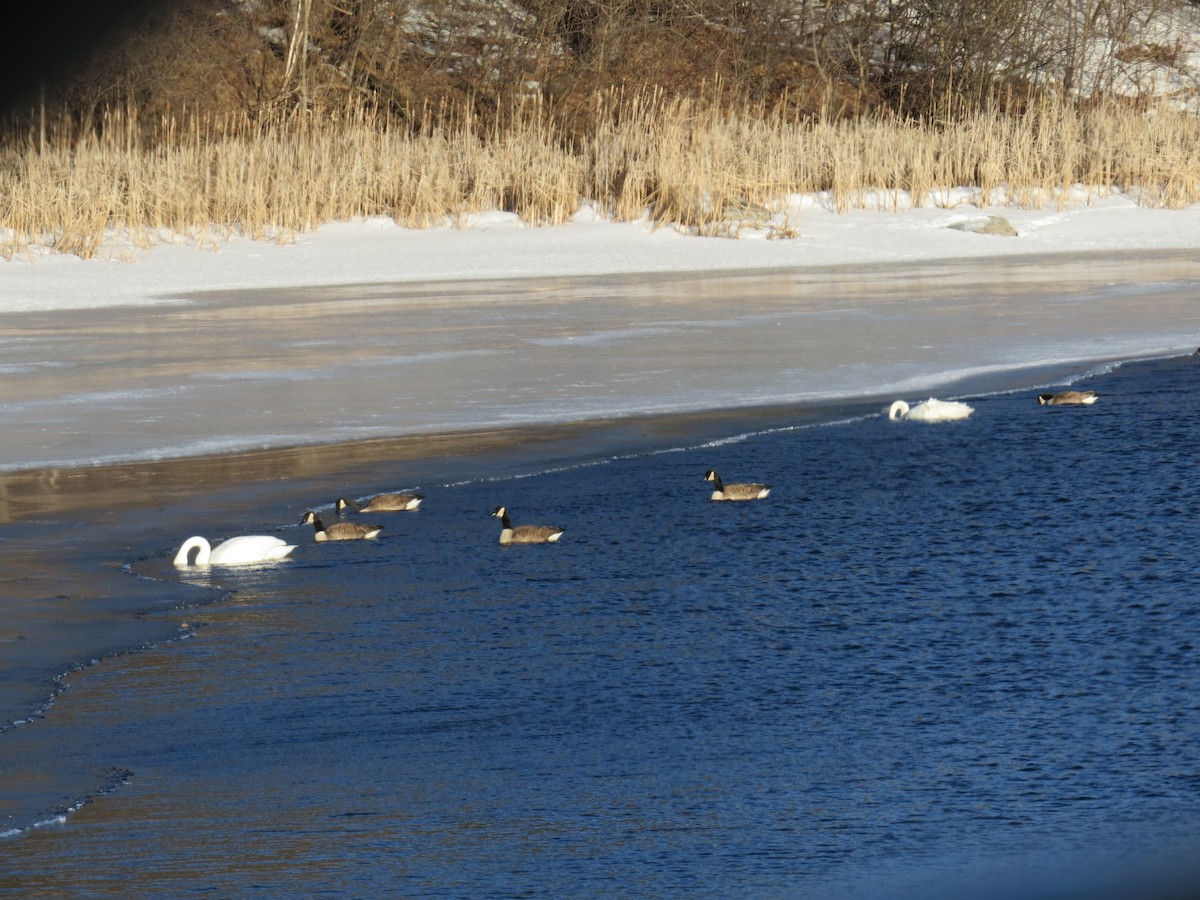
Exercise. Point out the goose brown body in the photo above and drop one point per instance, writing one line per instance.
(1068, 398)
(339, 531)
(737, 490)
(525, 534)
(381, 503)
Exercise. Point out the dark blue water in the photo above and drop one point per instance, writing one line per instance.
(935, 656)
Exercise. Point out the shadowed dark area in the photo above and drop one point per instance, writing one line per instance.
(45, 44)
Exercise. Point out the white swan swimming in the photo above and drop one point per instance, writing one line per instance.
(248, 548)
(930, 410)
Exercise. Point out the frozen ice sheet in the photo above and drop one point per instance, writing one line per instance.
(241, 370)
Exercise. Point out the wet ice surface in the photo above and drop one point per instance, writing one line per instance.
(249, 369)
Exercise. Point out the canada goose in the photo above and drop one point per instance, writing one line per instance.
(525, 534)
(722, 491)
(931, 410)
(381, 503)
(339, 531)
(1068, 398)
(248, 548)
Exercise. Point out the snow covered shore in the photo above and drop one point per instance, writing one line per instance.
(498, 246)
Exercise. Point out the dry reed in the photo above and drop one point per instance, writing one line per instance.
(682, 162)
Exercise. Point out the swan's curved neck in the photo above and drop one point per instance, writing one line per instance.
(899, 410)
(202, 548)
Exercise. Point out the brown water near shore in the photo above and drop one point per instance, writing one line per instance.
(37, 493)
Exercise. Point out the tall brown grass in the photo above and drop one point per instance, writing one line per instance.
(680, 161)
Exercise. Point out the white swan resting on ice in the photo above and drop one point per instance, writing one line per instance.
(930, 410)
(248, 548)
